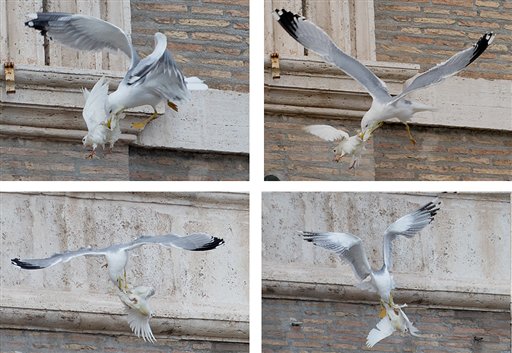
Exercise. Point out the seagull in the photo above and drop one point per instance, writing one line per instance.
(350, 248)
(138, 310)
(394, 320)
(384, 106)
(147, 82)
(94, 114)
(117, 254)
(135, 299)
(347, 146)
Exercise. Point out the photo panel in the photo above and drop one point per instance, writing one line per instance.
(381, 90)
(123, 272)
(396, 271)
(130, 90)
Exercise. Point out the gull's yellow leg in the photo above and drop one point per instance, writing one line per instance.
(125, 282)
(413, 141)
(143, 124)
(172, 105)
(382, 312)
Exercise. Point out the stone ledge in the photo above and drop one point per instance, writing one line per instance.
(278, 289)
(314, 88)
(51, 97)
(94, 313)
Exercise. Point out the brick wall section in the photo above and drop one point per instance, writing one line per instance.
(39, 159)
(427, 32)
(160, 164)
(342, 327)
(64, 342)
(208, 38)
(442, 154)
(293, 154)
(22, 159)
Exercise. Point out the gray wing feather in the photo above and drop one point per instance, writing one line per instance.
(314, 38)
(36, 264)
(83, 32)
(193, 242)
(408, 226)
(347, 246)
(450, 67)
(160, 64)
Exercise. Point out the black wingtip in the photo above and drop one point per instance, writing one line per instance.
(288, 20)
(307, 236)
(211, 245)
(482, 45)
(24, 265)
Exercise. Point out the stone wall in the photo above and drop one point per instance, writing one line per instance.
(40, 159)
(454, 275)
(199, 295)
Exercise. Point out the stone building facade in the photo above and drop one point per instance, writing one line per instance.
(201, 301)
(41, 122)
(454, 275)
(467, 138)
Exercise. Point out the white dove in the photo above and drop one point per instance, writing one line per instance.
(347, 145)
(95, 115)
(138, 310)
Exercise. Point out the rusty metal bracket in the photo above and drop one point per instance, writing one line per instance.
(276, 71)
(10, 86)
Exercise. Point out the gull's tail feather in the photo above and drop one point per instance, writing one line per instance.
(195, 84)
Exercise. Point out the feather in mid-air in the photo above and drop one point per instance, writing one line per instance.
(350, 249)
(148, 81)
(384, 106)
(116, 255)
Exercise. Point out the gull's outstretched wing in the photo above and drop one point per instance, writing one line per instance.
(448, 68)
(193, 242)
(347, 246)
(384, 329)
(159, 72)
(314, 38)
(36, 264)
(408, 226)
(327, 132)
(95, 111)
(83, 32)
